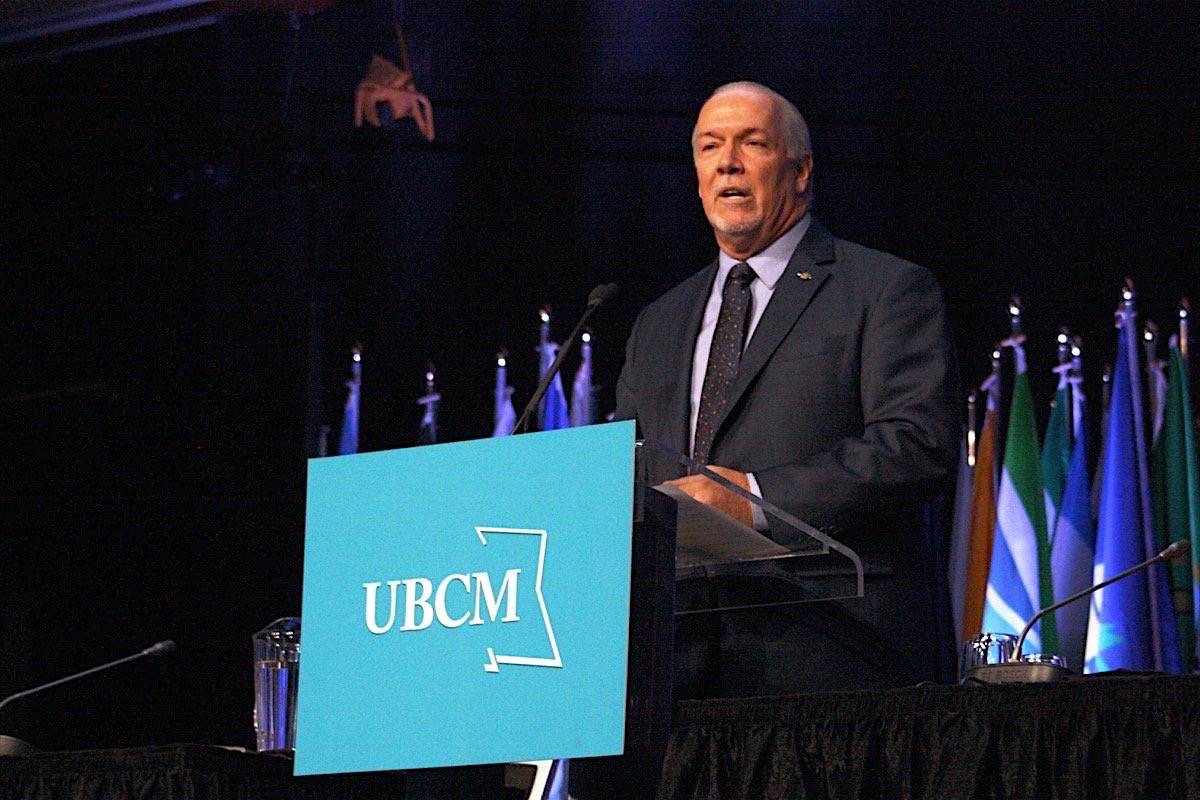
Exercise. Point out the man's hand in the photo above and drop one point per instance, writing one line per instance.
(711, 493)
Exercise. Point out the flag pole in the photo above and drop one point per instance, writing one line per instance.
(1128, 325)
(1150, 346)
(1076, 379)
(1064, 380)
(971, 429)
(1184, 309)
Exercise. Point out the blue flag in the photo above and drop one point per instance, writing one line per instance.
(1131, 623)
(553, 408)
(960, 533)
(504, 416)
(427, 434)
(582, 412)
(348, 443)
(1073, 548)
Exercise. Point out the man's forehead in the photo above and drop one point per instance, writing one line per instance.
(740, 111)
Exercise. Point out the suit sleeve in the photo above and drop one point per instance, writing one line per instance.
(908, 385)
(626, 397)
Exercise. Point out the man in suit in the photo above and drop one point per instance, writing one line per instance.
(816, 374)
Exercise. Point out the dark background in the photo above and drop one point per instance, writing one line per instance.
(194, 235)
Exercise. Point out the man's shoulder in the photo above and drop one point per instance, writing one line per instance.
(875, 266)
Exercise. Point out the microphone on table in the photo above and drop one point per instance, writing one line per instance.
(1016, 670)
(595, 299)
(16, 745)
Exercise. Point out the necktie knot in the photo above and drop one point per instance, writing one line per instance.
(742, 274)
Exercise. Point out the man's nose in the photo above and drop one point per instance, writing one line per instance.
(729, 163)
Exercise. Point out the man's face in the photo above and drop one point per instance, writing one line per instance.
(751, 191)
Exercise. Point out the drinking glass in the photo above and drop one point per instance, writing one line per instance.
(986, 648)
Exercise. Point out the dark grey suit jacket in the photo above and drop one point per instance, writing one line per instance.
(844, 408)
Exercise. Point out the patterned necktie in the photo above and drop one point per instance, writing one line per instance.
(723, 356)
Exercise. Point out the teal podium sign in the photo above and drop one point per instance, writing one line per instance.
(467, 603)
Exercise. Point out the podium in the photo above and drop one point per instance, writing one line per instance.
(676, 538)
(494, 601)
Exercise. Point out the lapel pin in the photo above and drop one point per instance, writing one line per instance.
(804, 276)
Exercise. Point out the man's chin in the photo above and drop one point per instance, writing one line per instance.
(736, 228)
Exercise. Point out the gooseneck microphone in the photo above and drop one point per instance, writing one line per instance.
(1173, 551)
(161, 648)
(595, 299)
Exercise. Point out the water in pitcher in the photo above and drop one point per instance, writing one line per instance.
(275, 704)
(276, 676)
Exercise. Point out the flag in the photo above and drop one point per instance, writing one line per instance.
(1176, 485)
(553, 408)
(1056, 447)
(1073, 546)
(983, 511)
(1126, 627)
(1105, 405)
(427, 433)
(582, 411)
(504, 417)
(1156, 381)
(960, 529)
(348, 443)
(1019, 580)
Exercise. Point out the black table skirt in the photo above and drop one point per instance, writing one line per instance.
(178, 772)
(1112, 737)
(1103, 737)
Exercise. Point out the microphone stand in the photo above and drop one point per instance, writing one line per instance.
(1016, 670)
(597, 296)
(10, 745)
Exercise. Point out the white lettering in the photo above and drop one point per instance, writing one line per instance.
(439, 602)
(483, 588)
(412, 601)
(370, 613)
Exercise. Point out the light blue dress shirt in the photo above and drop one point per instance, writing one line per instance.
(768, 266)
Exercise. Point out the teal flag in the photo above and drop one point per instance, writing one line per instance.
(1056, 449)
(1176, 486)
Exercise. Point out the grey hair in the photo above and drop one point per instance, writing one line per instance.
(795, 129)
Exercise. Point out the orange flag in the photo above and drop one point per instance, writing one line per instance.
(983, 515)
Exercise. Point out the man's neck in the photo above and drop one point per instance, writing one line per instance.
(742, 249)
(799, 227)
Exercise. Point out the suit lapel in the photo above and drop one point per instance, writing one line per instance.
(808, 269)
(680, 366)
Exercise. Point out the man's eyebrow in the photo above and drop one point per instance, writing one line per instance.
(742, 132)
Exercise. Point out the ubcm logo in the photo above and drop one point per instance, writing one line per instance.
(465, 599)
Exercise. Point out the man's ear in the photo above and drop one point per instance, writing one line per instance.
(803, 174)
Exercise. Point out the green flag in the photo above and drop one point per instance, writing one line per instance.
(1056, 451)
(1019, 582)
(1176, 487)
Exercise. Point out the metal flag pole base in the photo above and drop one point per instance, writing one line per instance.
(1018, 672)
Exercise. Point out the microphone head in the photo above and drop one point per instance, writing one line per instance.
(600, 294)
(160, 649)
(1175, 550)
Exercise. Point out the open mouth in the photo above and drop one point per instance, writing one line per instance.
(733, 194)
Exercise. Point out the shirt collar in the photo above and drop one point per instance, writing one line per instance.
(770, 264)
